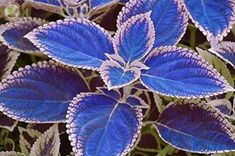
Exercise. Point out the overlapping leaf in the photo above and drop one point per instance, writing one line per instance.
(226, 51)
(7, 61)
(99, 125)
(196, 127)
(213, 17)
(41, 92)
(179, 72)
(135, 38)
(47, 144)
(12, 33)
(169, 18)
(80, 43)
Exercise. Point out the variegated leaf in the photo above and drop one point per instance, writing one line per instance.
(47, 144)
(40, 93)
(222, 105)
(100, 125)
(76, 42)
(197, 128)
(213, 17)
(116, 76)
(114, 94)
(182, 73)
(7, 61)
(169, 18)
(12, 34)
(226, 51)
(135, 38)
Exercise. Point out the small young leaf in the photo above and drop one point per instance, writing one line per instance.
(169, 18)
(196, 127)
(47, 144)
(12, 33)
(182, 73)
(222, 105)
(76, 42)
(135, 38)
(7, 61)
(213, 17)
(116, 76)
(99, 125)
(40, 93)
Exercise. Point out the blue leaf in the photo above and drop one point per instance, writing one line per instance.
(196, 127)
(116, 76)
(99, 125)
(114, 94)
(182, 73)
(226, 51)
(12, 33)
(101, 3)
(7, 61)
(135, 38)
(76, 42)
(136, 101)
(213, 17)
(40, 93)
(222, 105)
(169, 18)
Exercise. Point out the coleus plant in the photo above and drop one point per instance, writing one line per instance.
(143, 48)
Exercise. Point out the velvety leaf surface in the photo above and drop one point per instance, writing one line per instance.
(226, 51)
(182, 73)
(213, 17)
(99, 125)
(47, 144)
(7, 61)
(40, 93)
(76, 42)
(12, 34)
(169, 18)
(196, 127)
(116, 76)
(135, 38)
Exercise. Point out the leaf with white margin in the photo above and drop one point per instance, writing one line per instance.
(47, 5)
(7, 61)
(11, 153)
(136, 101)
(7, 123)
(12, 34)
(196, 127)
(179, 72)
(95, 4)
(40, 93)
(213, 17)
(219, 65)
(135, 38)
(27, 139)
(169, 18)
(226, 51)
(115, 94)
(75, 42)
(222, 105)
(116, 76)
(100, 125)
(47, 144)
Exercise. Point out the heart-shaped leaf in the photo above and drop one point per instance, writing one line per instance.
(213, 17)
(135, 38)
(169, 18)
(226, 51)
(48, 143)
(7, 61)
(196, 127)
(40, 93)
(182, 73)
(116, 76)
(12, 33)
(76, 42)
(100, 125)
